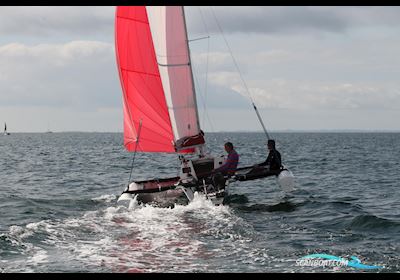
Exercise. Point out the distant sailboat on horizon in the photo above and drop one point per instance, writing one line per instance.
(48, 129)
(5, 129)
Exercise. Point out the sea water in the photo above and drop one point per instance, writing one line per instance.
(59, 211)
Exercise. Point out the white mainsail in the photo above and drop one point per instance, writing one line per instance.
(168, 29)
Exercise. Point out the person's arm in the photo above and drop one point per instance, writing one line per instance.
(224, 167)
(266, 162)
(227, 164)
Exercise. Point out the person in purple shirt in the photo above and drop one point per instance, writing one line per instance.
(228, 168)
(230, 165)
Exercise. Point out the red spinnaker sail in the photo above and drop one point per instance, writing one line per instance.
(143, 95)
(156, 78)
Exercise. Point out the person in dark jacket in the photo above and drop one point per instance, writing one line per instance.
(274, 160)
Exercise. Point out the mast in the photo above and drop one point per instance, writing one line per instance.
(200, 149)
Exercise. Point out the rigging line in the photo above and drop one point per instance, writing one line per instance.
(204, 96)
(206, 80)
(173, 65)
(200, 91)
(197, 39)
(134, 155)
(204, 102)
(240, 74)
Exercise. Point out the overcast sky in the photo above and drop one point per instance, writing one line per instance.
(307, 68)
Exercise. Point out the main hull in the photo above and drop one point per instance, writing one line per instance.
(180, 196)
(170, 191)
(163, 198)
(173, 190)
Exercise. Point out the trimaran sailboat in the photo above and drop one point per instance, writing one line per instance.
(160, 108)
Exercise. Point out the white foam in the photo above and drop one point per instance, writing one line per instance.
(19, 232)
(33, 255)
(106, 198)
(149, 234)
(39, 257)
(144, 237)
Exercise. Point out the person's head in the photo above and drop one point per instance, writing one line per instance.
(228, 147)
(271, 144)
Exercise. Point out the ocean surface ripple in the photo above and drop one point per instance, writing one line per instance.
(59, 211)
